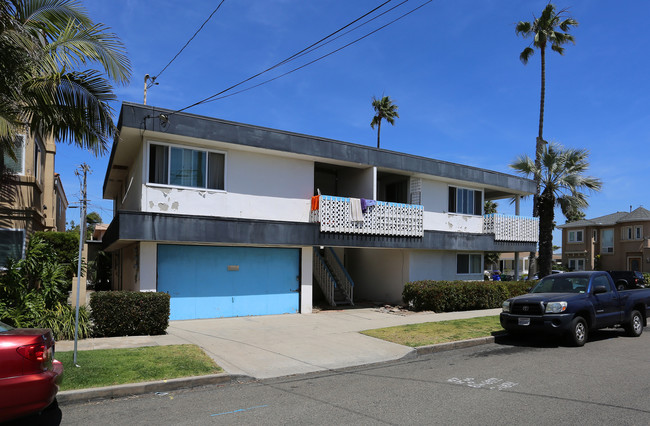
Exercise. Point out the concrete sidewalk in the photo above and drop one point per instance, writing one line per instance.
(281, 345)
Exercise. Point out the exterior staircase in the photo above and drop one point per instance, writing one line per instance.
(333, 279)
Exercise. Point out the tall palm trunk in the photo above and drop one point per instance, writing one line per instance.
(546, 205)
(378, 132)
(539, 147)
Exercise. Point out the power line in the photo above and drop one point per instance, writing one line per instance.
(295, 55)
(153, 79)
(217, 97)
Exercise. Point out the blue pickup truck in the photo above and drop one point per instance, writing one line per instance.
(573, 303)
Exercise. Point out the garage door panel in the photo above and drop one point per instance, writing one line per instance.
(213, 282)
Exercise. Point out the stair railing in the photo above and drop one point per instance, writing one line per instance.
(324, 278)
(340, 274)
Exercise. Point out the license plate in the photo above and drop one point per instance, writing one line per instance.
(524, 321)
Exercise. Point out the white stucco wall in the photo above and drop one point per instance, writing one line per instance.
(306, 280)
(224, 204)
(436, 265)
(453, 222)
(148, 261)
(269, 175)
(131, 197)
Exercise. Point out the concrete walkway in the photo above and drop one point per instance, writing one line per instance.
(280, 345)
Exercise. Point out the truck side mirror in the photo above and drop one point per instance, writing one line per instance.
(600, 289)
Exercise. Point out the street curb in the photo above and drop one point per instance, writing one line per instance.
(441, 347)
(119, 391)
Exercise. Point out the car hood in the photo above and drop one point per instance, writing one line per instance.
(547, 297)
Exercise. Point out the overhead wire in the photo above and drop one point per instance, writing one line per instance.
(305, 51)
(290, 58)
(188, 41)
(217, 97)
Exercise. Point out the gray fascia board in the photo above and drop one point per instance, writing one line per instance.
(185, 229)
(145, 118)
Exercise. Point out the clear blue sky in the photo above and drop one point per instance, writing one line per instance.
(452, 67)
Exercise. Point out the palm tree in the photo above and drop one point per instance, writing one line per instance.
(561, 175)
(385, 109)
(45, 85)
(544, 32)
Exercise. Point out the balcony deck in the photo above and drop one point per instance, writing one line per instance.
(335, 214)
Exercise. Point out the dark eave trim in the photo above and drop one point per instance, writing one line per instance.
(130, 227)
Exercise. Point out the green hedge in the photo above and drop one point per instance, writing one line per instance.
(449, 296)
(129, 313)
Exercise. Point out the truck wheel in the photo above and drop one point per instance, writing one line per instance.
(635, 327)
(578, 332)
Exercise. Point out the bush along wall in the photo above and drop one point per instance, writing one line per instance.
(449, 296)
(129, 313)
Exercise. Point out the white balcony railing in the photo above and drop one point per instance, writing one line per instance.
(335, 214)
(511, 228)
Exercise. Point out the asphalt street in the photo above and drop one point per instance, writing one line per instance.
(529, 381)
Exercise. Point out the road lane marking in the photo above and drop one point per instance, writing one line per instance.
(491, 383)
(239, 410)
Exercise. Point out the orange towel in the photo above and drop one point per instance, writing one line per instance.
(314, 202)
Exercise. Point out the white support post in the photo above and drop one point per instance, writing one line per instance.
(306, 279)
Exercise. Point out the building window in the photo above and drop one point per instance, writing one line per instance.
(638, 232)
(169, 165)
(576, 264)
(16, 166)
(607, 241)
(594, 234)
(37, 159)
(465, 201)
(626, 233)
(468, 264)
(576, 236)
(11, 245)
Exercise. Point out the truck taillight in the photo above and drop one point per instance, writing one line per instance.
(36, 353)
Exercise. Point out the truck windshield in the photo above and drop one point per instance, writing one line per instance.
(559, 284)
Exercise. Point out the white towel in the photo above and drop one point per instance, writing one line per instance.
(355, 210)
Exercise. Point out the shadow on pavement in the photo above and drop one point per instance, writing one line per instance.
(551, 341)
(51, 416)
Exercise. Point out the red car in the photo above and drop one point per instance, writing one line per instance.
(29, 374)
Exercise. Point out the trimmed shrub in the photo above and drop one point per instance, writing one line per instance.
(448, 296)
(129, 313)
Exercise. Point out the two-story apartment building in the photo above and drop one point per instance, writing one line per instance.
(617, 241)
(32, 199)
(233, 219)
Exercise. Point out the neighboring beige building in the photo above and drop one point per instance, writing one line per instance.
(617, 241)
(34, 199)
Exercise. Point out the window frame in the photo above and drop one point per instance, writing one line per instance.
(469, 263)
(22, 247)
(169, 147)
(638, 232)
(575, 234)
(576, 261)
(602, 241)
(21, 159)
(452, 200)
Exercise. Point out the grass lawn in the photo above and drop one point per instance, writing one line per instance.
(430, 333)
(106, 367)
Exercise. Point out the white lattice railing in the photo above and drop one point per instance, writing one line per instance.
(511, 228)
(381, 218)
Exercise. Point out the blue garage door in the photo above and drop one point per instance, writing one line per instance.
(215, 282)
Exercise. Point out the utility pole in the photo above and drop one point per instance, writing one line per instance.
(83, 168)
(148, 82)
